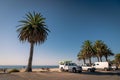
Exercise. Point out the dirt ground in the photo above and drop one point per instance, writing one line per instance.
(114, 75)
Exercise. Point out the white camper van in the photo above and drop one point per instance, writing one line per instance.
(102, 65)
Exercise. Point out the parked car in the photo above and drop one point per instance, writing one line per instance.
(69, 66)
(87, 67)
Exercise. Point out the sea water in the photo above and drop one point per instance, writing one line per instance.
(24, 66)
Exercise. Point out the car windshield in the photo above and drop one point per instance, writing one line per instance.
(72, 64)
(86, 65)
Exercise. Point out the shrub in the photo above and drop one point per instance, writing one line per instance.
(14, 70)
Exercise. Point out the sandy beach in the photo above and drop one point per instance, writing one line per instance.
(55, 74)
(43, 70)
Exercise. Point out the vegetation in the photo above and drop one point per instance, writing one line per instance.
(13, 70)
(81, 56)
(101, 50)
(87, 51)
(117, 59)
(98, 50)
(33, 30)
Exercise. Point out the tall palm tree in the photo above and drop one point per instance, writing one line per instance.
(88, 50)
(33, 30)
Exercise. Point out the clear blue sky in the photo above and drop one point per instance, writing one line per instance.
(71, 23)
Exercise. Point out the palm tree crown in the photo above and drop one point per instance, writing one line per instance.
(33, 28)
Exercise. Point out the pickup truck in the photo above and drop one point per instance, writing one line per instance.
(86, 67)
(70, 67)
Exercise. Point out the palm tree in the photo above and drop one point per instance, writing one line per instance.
(117, 58)
(99, 49)
(88, 50)
(82, 56)
(33, 30)
(108, 53)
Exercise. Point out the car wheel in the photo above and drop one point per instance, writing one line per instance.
(79, 71)
(74, 70)
(89, 70)
(93, 70)
(62, 69)
(105, 69)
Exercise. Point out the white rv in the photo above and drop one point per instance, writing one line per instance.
(102, 65)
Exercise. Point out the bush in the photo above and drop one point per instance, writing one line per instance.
(13, 70)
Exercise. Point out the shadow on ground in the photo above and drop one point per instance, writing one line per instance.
(101, 73)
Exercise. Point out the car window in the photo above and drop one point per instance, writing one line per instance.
(66, 64)
(72, 64)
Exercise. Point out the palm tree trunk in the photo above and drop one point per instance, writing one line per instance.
(100, 59)
(84, 61)
(90, 61)
(29, 67)
(106, 57)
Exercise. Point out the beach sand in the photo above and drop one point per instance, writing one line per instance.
(43, 70)
(54, 74)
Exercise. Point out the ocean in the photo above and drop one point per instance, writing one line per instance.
(24, 66)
